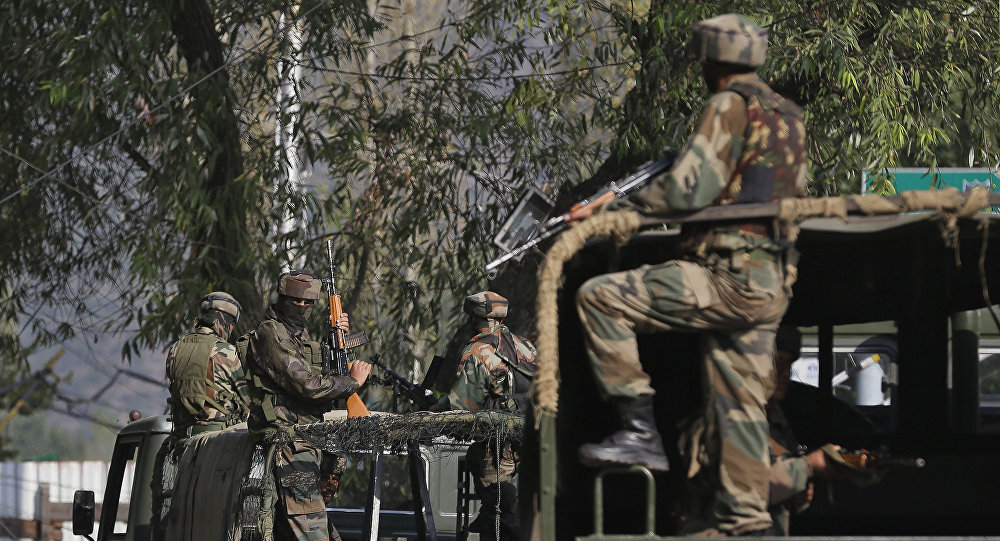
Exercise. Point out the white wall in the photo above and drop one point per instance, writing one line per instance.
(20, 495)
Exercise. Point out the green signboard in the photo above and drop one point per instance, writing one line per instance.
(917, 178)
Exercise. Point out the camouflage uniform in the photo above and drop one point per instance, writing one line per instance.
(494, 372)
(208, 391)
(790, 471)
(225, 396)
(226, 403)
(749, 147)
(286, 371)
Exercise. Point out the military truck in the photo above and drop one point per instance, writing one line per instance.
(223, 488)
(917, 274)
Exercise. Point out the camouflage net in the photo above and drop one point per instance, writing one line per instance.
(393, 433)
(545, 387)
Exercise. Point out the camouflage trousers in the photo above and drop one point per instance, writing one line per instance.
(301, 512)
(493, 466)
(735, 300)
(486, 470)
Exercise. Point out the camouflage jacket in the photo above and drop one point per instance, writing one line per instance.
(230, 391)
(790, 472)
(286, 370)
(748, 147)
(493, 371)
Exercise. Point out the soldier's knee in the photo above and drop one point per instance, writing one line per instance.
(588, 293)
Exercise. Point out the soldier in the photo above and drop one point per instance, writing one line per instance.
(792, 471)
(494, 372)
(208, 390)
(748, 147)
(286, 366)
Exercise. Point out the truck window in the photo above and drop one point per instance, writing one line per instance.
(989, 390)
(395, 484)
(120, 477)
(861, 376)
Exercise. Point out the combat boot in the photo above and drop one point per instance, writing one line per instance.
(637, 443)
(486, 523)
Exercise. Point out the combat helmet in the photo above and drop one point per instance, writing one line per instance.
(299, 284)
(222, 302)
(730, 38)
(486, 305)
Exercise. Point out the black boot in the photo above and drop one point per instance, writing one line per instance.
(486, 522)
(637, 443)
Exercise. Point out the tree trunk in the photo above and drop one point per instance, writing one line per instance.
(218, 247)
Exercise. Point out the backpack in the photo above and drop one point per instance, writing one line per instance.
(191, 375)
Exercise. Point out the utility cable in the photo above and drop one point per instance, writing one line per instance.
(145, 114)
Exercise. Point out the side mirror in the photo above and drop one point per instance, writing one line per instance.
(83, 512)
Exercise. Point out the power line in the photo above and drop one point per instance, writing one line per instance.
(471, 78)
(145, 114)
(85, 417)
(7, 528)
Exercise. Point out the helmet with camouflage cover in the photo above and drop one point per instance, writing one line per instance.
(222, 302)
(730, 38)
(299, 284)
(486, 305)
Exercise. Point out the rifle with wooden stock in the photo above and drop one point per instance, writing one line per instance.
(863, 458)
(557, 224)
(337, 355)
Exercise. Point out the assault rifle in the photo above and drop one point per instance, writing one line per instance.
(421, 396)
(554, 225)
(336, 353)
(863, 458)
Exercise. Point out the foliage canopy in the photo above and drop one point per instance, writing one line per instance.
(138, 165)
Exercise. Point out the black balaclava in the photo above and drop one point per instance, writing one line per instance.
(292, 314)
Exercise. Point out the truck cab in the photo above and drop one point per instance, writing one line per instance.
(222, 487)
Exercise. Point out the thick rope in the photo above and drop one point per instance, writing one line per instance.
(794, 210)
(545, 388)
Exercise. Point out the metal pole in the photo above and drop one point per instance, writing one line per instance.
(286, 157)
(373, 505)
(422, 510)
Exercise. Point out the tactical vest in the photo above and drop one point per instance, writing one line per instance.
(192, 376)
(774, 148)
(522, 371)
(265, 391)
(262, 387)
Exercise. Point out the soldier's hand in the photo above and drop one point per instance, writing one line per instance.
(344, 322)
(576, 216)
(820, 466)
(805, 497)
(360, 371)
(579, 213)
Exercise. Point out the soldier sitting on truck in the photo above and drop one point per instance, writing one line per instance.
(748, 147)
(494, 372)
(290, 388)
(208, 390)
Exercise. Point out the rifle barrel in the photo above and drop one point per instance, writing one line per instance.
(395, 375)
(557, 223)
